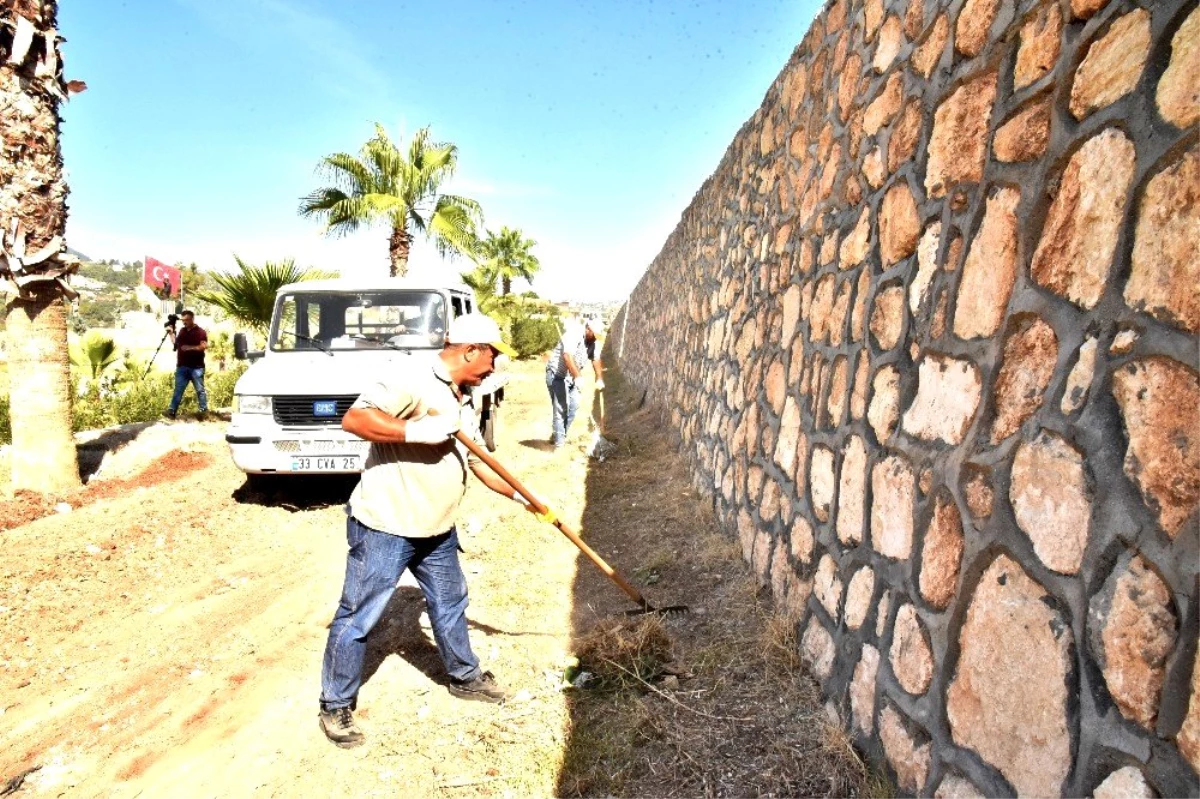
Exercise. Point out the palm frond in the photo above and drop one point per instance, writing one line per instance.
(248, 295)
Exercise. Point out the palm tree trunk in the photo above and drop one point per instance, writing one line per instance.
(398, 246)
(33, 217)
(505, 286)
(43, 449)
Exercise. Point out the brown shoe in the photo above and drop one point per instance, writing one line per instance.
(339, 727)
(483, 688)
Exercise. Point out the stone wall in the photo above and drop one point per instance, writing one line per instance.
(928, 336)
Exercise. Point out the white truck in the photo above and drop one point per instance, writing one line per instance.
(327, 341)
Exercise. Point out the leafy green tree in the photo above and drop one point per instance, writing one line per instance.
(93, 354)
(482, 281)
(248, 295)
(383, 185)
(507, 256)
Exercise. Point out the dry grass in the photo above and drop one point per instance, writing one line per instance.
(724, 707)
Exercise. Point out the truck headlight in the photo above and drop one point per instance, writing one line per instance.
(251, 403)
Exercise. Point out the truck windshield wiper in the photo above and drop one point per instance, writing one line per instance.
(391, 345)
(315, 342)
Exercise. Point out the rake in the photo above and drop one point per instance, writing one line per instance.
(601, 447)
(545, 513)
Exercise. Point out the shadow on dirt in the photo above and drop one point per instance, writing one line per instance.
(540, 444)
(296, 493)
(91, 453)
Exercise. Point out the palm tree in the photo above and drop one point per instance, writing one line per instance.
(508, 256)
(248, 295)
(94, 354)
(33, 194)
(382, 185)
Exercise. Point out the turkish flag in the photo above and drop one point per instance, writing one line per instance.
(166, 281)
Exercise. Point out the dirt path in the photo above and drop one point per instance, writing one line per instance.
(164, 637)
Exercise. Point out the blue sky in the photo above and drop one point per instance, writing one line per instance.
(588, 125)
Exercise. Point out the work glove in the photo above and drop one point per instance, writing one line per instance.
(430, 429)
(600, 384)
(550, 517)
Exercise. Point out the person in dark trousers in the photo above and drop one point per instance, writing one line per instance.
(401, 515)
(190, 344)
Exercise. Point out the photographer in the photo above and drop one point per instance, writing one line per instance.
(190, 344)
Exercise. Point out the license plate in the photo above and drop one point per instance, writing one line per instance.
(325, 408)
(326, 463)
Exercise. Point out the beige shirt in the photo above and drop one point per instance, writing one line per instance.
(414, 490)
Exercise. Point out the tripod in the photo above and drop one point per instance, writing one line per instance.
(161, 341)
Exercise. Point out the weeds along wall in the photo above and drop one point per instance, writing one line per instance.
(928, 336)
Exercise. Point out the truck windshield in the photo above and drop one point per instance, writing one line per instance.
(360, 320)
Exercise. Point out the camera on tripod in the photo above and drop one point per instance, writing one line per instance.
(171, 320)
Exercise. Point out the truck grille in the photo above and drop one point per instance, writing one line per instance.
(298, 410)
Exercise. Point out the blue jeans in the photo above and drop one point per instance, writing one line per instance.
(183, 376)
(564, 400)
(373, 566)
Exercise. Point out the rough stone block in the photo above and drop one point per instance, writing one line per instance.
(974, 24)
(852, 492)
(1040, 37)
(953, 787)
(1011, 709)
(1030, 353)
(821, 481)
(1113, 64)
(789, 435)
(1165, 280)
(1080, 378)
(839, 311)
(1178, 92)
(838, 390)
(1160, 405)
(887, 317)
(911, 657)
(907, 758)
(858, 396)
(1051, 500)
(884, 411)
(1132, 630)
(862, 690)
(959, 144)
(893, 486)
(948, 393)
(1082, 9)
(990, 270)
(856, 245)
(899, 224)
(927, 54)
(858, 316)
(1188, 739)
(776, 386)
(927, 266)
(858, 597)
(800, 540)
(902, 141)
(817, 649)
(891, 39)
(883, 108)
(1124, 783)
(1024, 137)
(1076, 250)
(828, 587)
(941, 553)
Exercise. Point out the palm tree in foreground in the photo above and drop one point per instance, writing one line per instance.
(507, 256)
(381, 184)
(248, 295)
(33, 217)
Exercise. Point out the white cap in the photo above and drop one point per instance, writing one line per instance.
(477, 328)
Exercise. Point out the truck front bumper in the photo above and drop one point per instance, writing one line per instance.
(259, 446)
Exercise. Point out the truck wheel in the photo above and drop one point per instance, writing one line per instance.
(491, 409)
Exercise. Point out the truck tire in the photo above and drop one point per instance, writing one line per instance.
(491, 409)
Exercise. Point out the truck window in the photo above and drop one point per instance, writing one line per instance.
(457, 304)
(367, 320)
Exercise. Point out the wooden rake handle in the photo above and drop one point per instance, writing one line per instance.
(537, 504)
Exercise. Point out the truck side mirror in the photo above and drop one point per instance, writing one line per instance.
(239, 346)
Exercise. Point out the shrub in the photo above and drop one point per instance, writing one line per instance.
(532, 335)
